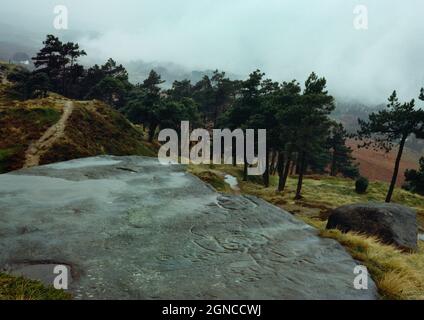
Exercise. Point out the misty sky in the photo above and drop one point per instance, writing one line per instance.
(285, 39)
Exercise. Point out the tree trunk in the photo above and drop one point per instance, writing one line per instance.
(64, 81)
(396, 171)
(245, 159)
(302, 160)
(333, 164)
(234, 154)
(272, 165)
(284, 174)
(297, 170)
(245, 171)
(266, 173)
(292, 167)
(152, 131)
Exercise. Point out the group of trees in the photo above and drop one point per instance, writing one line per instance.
(300, 134)
(57, 70)
(301, 137)
(414, 179)
(149, 106)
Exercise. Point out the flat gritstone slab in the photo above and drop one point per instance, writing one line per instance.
(130, 228)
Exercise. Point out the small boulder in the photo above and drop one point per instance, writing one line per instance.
(391, 223)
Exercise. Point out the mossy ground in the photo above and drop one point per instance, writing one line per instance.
(21, 123)
(19, 288)
(398, 275)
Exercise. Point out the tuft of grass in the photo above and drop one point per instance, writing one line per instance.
(19, 288)
(215, 178)
(398, 275)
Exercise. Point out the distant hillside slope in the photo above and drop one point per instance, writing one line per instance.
(379, 166)
(43, 131)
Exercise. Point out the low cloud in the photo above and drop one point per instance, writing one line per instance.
(285, 39)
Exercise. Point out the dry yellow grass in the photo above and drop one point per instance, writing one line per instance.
(398, 275)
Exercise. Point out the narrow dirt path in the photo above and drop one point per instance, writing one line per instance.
(38, 148)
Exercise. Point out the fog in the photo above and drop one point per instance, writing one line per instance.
(285, 39)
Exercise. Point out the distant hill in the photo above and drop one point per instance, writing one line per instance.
(170, 72)
(348, 113)
(375, 165)
(378, 165)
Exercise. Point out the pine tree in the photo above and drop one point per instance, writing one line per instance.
(414, 179)
(306, 124)
(392, 126)
(59, 62)
(341, 154)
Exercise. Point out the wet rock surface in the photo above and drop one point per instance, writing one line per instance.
(130, 228)
(392, 223)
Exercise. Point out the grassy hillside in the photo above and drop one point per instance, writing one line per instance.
(22, 123)
(319, 192)
(92, 129)
(398, 275)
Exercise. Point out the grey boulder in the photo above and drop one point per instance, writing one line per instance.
(393, 224)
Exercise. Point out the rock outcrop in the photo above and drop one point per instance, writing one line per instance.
(392, 223)
(130, 228)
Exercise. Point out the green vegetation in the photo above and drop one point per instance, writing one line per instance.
(19, 288)
(22, 123)
(5, 155)
(361, 185)
(323, 192)
(213, 177)
(145, 106)
(27, 85)
(415, 179)
(95, 129)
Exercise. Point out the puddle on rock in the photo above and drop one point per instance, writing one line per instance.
(232, 182)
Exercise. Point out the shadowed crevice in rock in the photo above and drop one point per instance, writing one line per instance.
(150, 231)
